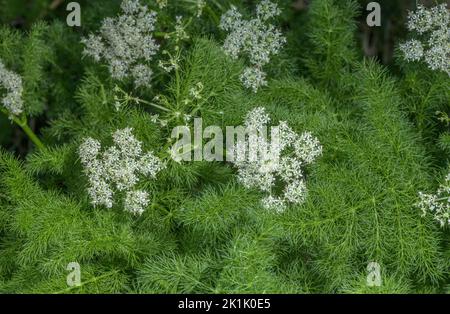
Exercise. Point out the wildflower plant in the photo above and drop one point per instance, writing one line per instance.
(279, 162)
(12, 84)
(256, 39)
(117, 169)
(171, 61)
(12, 101)
(437, 205)
(126, 43)
(432, 45)
(102, 189)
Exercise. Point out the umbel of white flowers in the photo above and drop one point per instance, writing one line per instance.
(117, 169)
(282, 166)
(256, 39)
(437, 204)
(126, 43)
(433, 42)
(11, 83)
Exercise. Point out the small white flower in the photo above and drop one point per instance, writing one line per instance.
(154, 118)
(161, 3)
(195, 92)
(267, 9)
(128, 145)
(437, 204)
(187, 118)
(136, 201)
(180, 31)
(142, 75)
(200, 6)
(150, 165)
(89, 150)
(118, 168)
(275, 162)
(433, 42)
(100, 192)
(126, 43)
(307, 147)
(413, 50)
(296, 192)
(253, 78)
(130, 7)
(438, 58)
(12, 84)
(291, 169)
(175, 154)
(255, 39)
(274, 203)
(169, 65)
(257, 118)
(424, 20)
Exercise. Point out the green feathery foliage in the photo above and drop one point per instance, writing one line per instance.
(384, 132)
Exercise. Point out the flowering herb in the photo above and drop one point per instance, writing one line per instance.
(117, 169)
(437, 204)
(126, 43)
(256, 39)
(433, 44)
(283, 164)
(12, 84)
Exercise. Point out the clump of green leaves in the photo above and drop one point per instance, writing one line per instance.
(202, 231)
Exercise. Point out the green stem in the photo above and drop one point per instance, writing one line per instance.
(160, 34)
(32, 136)
(177, 79)
(148, 103)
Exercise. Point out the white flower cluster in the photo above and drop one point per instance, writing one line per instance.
(12, 84)
(118, 169)
(255, 38)
(161, 3)
(279, 164)
(437, 204)
(126, 43)
(200, 4)
(433, 25)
